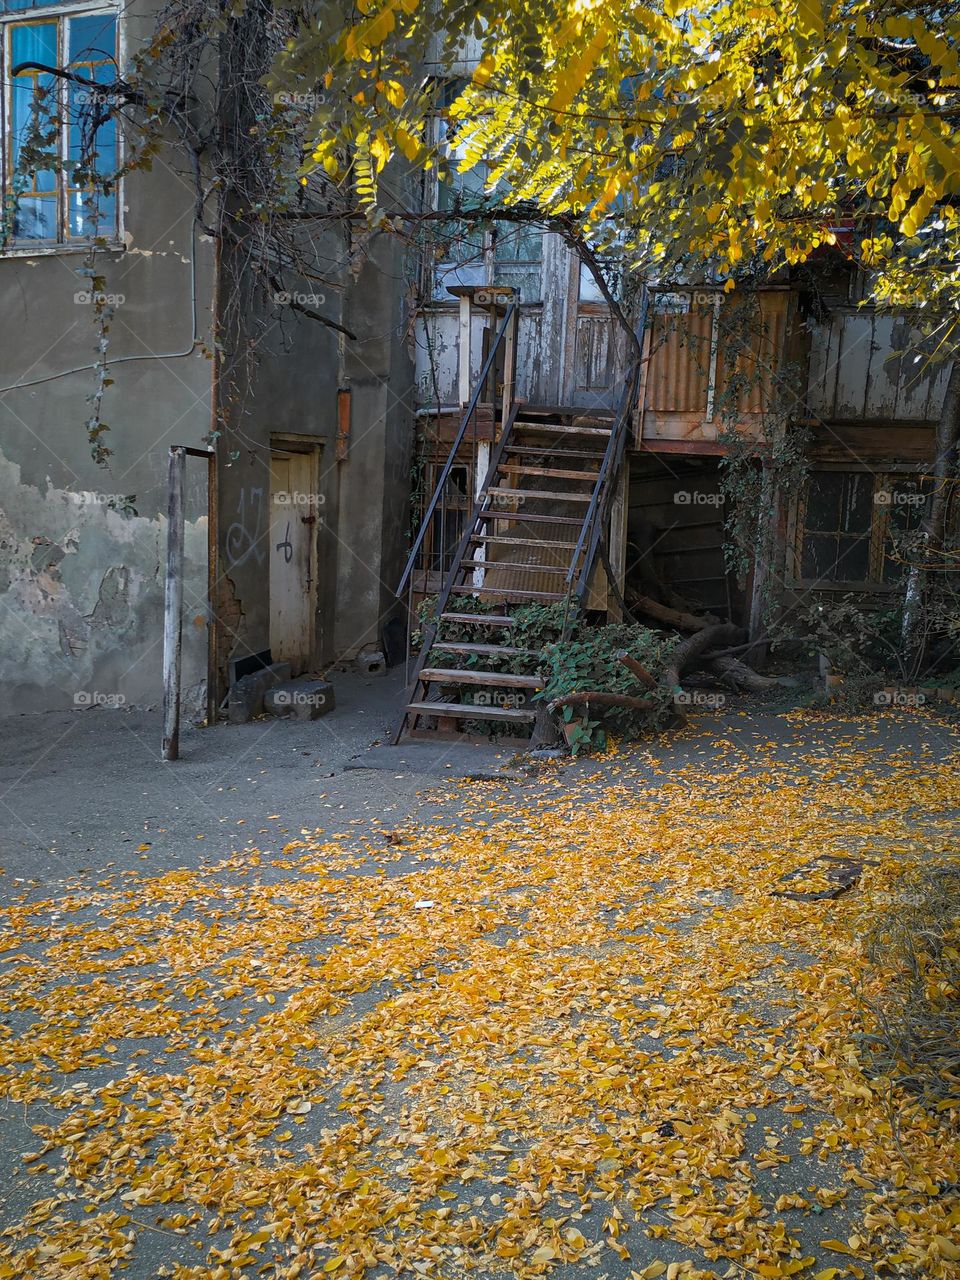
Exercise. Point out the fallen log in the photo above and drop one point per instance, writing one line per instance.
(678, 618)
(738, 674)
(638, 669)
(688, 650)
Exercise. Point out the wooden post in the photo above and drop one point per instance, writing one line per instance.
(509, 367)
(463, 369)
(213, 575)
(619, 512)
(714, 352)
(173, 606)
(482, 466)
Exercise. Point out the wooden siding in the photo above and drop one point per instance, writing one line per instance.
(865, 367)
(569, 349)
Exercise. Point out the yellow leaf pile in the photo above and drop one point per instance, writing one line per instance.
(568, 1026)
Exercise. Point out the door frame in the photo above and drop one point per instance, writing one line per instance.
(291, 442)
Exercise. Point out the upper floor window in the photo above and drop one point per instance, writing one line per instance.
(467, 253)
(60, 139)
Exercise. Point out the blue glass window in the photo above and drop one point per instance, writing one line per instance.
(61, 150)
(91, 151)
(18, 6)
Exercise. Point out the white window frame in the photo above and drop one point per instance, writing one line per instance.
(485, 263)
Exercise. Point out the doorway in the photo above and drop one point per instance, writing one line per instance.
(296, 515)
(676, 531)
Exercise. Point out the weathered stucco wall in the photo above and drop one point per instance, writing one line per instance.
(81, 585)
(290, 391)
(82, 546)
(81, 595)
(375, 483)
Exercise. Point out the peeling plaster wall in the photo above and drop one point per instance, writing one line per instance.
(81, 585)
(81, 600)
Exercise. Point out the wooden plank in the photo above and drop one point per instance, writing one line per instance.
(525, 517)
(558, 429)
(553, 473)
(505, 593)
(488, 619)
(512, 564)
(523, 542)
(484, 650)
(695, 447)
(548, 494)
(460, 711)
(460, 675)
(555, 258)
(540, 449)
(567, 411)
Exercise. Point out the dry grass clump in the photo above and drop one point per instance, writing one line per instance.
(913, 1000)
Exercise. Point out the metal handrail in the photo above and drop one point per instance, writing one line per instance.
(608, 463)
(458, 440)
(603, 508)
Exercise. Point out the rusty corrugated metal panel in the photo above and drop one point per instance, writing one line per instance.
(679, 367)
(749, 359)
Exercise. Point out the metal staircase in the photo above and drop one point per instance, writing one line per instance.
(531, 537)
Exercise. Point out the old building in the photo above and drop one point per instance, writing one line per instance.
(124, 294)
(544, 433)
(588, 449)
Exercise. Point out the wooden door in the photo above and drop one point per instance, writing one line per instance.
(293, 539)
(594, 344)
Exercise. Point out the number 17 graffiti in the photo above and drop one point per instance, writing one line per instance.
(242, 541)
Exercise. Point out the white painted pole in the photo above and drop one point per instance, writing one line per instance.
(465, 352)
(173, 606)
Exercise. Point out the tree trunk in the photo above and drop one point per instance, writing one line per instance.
(672, 617)
(935, 524)
(598, 698)
(687, 651)
(738, 674)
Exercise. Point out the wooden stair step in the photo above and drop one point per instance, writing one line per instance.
(505, 540)
(489, 513)
(461, 711)
(552, 473)
(537, 493)
(556, 454)
(560, 429)
(484, 650)
(513, 564)
(506, 593)
(487, 619)
(459, 675)
(527, 410)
